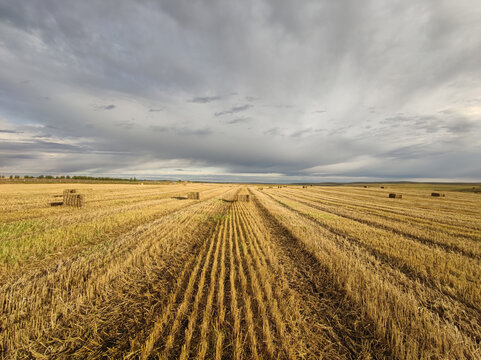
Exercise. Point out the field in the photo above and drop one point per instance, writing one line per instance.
(321, 272)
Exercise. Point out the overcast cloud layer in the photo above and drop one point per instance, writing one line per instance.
(242, 90)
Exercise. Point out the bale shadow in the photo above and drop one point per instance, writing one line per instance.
(56, 203)
(179, 197)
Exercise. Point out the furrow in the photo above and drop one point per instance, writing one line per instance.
(158, 328)
(436, 270)
(377, 291)
(207, 316)
(258, 294)
(221, 308)
(248, 315)
(278, 304)
(460, 245)
(86, 281)
(234, 308)
(390, 211)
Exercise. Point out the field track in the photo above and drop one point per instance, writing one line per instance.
(325, 273)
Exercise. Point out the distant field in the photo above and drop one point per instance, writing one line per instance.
(331, 272)
(476, 188)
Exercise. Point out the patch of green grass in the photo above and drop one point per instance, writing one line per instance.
(317, 215)
(218, 217)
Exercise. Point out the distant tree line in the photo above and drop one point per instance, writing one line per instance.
(66, 177)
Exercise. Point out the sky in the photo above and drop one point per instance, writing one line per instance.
(254, 91)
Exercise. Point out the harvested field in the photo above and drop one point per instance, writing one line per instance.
(283, 273)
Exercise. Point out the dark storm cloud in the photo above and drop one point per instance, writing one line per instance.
(183, 131)
(127, 125)
(8, 160)
(238, 120)
(234, 110)
(341, 88)
(38, 145)
(445, 121)
(273, 132)
(303, 132)
(204, 99)
(410, 152)
(104, 107)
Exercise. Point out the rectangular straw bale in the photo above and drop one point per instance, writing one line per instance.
(74, 200)
(67, 192)
(395, 196)
(242, 197)
(193, 195)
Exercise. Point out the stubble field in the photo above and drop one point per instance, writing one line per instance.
(139, 272)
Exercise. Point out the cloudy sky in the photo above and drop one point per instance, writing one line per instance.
(242, 90)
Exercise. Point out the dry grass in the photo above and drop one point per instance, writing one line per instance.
(296, 272)
(419, 296)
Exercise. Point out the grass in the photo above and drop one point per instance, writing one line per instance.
(334, 272)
